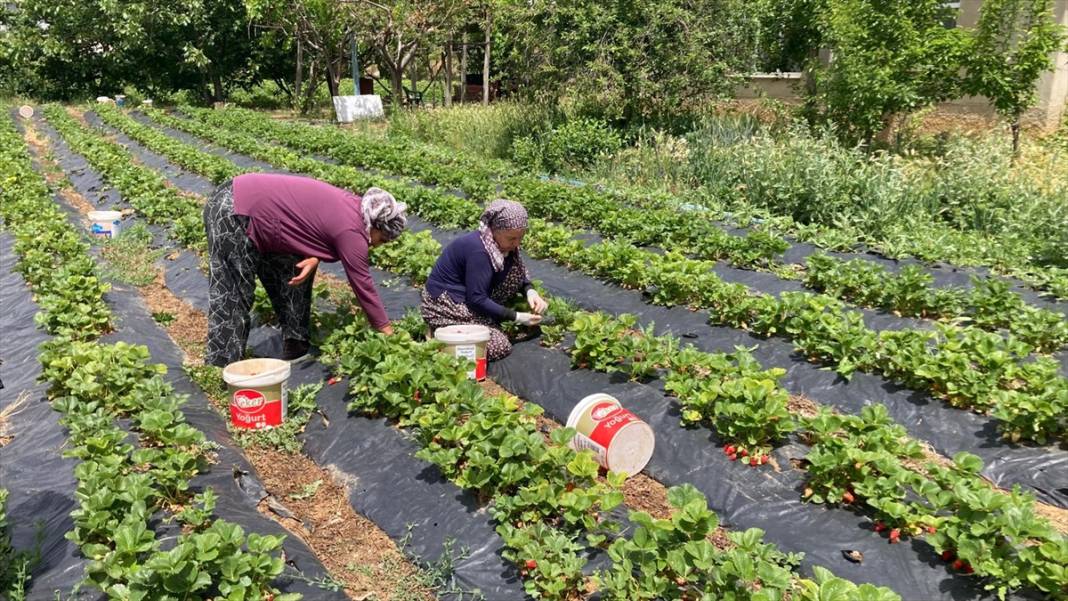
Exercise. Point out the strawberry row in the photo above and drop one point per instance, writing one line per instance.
(146, 190)
(865, 461)
(989, 304)
(965, 366)
(579, 207)
(548, 501)
(650, 220)
(122, 485)
(549, 557)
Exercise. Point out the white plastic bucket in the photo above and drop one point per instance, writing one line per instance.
(258, 393)
(468, 341)
(120, 100)
(620, 440)
(106, 224)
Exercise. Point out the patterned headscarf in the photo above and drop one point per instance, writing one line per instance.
(382, 212)
(501, 214)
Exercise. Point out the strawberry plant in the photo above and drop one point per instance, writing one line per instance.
(15, 565)
(674, 559)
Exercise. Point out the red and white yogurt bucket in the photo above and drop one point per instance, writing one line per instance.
(469, 342)
(620, 440)
(257, 392)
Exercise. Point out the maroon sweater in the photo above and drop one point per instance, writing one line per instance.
(303, 216)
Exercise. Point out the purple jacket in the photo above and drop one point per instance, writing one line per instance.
(302, 216)
(464, 272)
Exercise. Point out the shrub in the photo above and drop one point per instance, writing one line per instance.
(575, 144)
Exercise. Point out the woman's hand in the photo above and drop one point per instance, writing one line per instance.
(536, 302)
(387, 329)
(307, 268)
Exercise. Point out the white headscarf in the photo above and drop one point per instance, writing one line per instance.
(382, 212)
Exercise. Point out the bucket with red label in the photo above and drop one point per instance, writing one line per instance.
(257, 392)
(469, 342)
(620, 440)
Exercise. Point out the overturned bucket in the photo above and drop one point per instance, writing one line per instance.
(105, 224)
(621, 441)
(257, 392)
(469, 342)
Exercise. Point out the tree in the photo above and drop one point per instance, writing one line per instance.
(631, 61)
(320, 30)
(398, 31)
(889, 57)
(1012, 45)
(85, 48)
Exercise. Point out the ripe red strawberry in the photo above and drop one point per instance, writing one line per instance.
(728, 449)
(569, 487)
(764, 459)
(895, 535)
(947, 555)
(959, 564)
(743, 452)
(531, 564)
(879, 526)
(931, 530)
(333, 380)
(847, 497)
(968, 568)
(732, 457)
(753, 462)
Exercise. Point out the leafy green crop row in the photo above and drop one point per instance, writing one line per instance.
(579, 207)
(547, 500)
(215, 168)
(866, 461)
(645, 220)
(122, 485)
(966, 366)
(990, 304)
(145, 190)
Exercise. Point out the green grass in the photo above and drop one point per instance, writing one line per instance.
(130, 257)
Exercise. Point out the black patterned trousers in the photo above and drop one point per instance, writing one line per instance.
(233, 266)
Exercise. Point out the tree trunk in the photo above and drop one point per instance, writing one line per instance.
(216, 86)
(1015, 137)
(396, 83)
(463, 69)
(333, 77)
(447, 98)
(413, 75)
(486, 60)
(298, 77)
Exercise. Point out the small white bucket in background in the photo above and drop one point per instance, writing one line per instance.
(120, 100)
(468, 341)
(105, 224)
(621, 441)
(257, 392)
